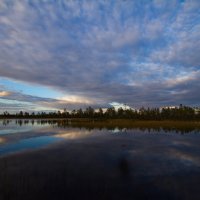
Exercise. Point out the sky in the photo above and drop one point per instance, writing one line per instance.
(57, 54)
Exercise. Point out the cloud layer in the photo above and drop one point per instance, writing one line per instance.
(136, 52)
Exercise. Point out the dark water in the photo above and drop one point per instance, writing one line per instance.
(47, 159)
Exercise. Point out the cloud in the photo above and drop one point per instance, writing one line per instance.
(183, 46)
(100, 52)
(76, 99)
(16, 101)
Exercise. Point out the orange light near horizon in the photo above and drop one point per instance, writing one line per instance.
(2, 140)
(4, 93)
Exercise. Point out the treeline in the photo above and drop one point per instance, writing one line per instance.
(177, 113)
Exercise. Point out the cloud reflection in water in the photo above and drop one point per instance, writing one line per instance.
(75, 134)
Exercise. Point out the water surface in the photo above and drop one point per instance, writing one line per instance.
(53, 159)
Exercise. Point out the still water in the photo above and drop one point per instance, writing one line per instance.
(52, 159)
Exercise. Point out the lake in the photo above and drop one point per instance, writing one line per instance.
(59, 159)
